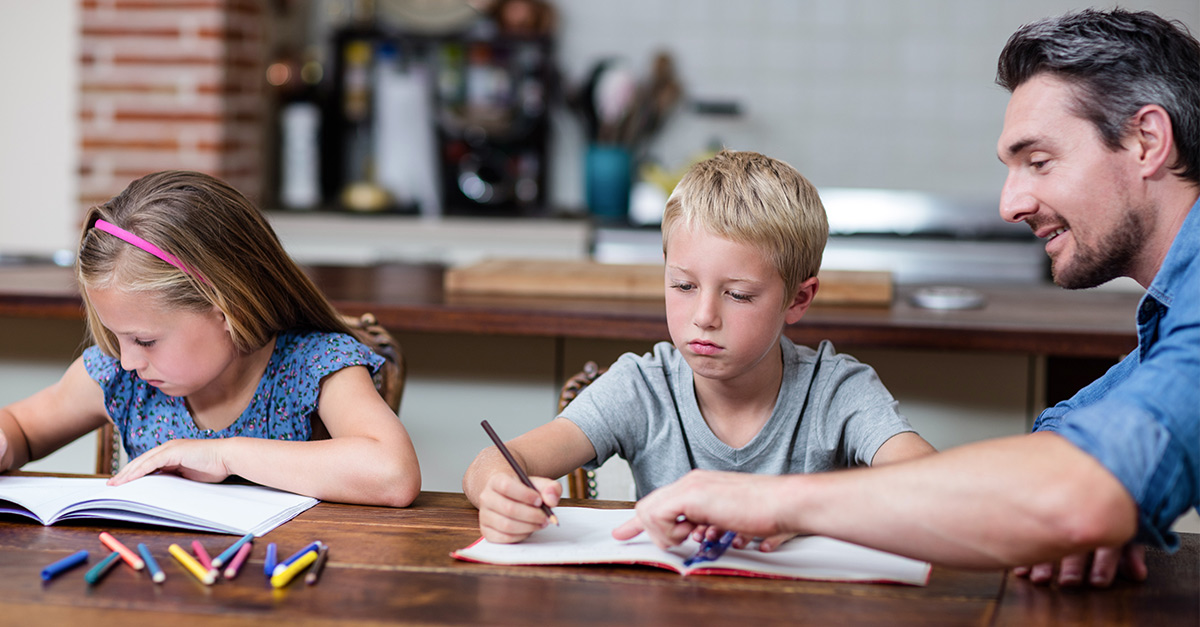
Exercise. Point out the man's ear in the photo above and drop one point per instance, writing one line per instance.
(805, 293)
(1153, 139)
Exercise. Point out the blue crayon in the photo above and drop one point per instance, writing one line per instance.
(315, 545)
(63, 565)
(99, 570)
(156, 573)
(228, 554)
(269, 564)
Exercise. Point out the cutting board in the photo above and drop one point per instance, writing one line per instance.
(589, 279)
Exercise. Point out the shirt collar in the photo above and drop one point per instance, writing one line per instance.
(1181, 255)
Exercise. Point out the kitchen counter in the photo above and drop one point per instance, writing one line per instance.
(1025, 318)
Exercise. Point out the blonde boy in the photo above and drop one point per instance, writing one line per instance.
(743, 236)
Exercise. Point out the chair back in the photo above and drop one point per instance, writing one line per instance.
(389, 380)
(581, 483)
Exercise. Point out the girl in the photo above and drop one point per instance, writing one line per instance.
(215, 355)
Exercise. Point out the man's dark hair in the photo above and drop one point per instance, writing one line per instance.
(1117, 62)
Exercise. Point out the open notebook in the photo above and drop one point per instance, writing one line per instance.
(585, 537)
(164, 500)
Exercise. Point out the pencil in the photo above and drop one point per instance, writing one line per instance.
(228, 553)
(203, 558)
(156, 573)
(269, 562)
(98, 571)
(516, 467)
(122, 550)
(231, 570)
(282, 578)
(281, 566)
(314, 573)
(63, 565)
(190, 564)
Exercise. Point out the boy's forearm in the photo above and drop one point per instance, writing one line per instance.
(487, 463)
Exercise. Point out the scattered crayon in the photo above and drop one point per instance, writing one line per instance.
(203, 558)
(122, 550)
(282, 578)
(63, 565)
(189, 563)
(98, 571)
(156, 573)
(312, 546)
(228, 553)
(314, 573)
(231, 570)
(269, 563)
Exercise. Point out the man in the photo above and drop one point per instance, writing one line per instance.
(1102, 144)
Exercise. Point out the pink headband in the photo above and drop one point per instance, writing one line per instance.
(113, 229)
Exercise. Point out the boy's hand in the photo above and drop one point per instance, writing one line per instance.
(509, 511)
(198, 460)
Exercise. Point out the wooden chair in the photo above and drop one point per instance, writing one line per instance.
(581, 483)
(389, 380)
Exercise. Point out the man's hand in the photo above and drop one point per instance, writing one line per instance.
(724, 500)
(1105, 562)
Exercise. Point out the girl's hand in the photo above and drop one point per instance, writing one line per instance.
(198, 460)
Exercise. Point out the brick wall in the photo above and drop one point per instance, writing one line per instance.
(170, 84)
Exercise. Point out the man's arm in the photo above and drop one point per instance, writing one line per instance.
(1004, 502)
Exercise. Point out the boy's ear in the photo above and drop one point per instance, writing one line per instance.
(805, 293)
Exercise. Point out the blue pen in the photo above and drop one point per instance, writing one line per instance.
(99, 570)
(710, 551)
(228, 554)
(156, 574)
(63, 565)
(269, 564)
(315, 545)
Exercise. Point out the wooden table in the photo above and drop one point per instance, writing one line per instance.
(392, 566)
(1031, 319)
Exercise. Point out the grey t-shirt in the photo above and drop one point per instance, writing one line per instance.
(629, 412)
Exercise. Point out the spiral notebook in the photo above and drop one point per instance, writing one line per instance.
(162, 500)
(584, 536)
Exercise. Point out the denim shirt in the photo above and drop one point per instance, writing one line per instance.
(1141, 420)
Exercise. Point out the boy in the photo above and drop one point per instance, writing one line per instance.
(743, 236)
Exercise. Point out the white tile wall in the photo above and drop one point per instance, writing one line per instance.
(854, 93)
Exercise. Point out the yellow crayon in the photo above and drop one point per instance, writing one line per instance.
(190, 563)
(293, 569)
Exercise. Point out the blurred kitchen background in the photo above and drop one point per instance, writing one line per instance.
(430, 109)
(448, 131)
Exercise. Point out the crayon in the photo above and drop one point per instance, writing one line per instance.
(189, 563)
(228, 553)
(314, 573)
(156, 573)
(98, 571)
(203, 558)
(122, 550)
(269, 563)
(282, 578)
(313, 546)
(231, 570)
(63, 565)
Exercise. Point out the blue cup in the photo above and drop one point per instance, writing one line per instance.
(608, 177)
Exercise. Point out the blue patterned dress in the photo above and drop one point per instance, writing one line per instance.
(285, 399)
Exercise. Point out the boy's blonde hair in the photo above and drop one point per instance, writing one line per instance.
(234, 260)
(753, 199)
